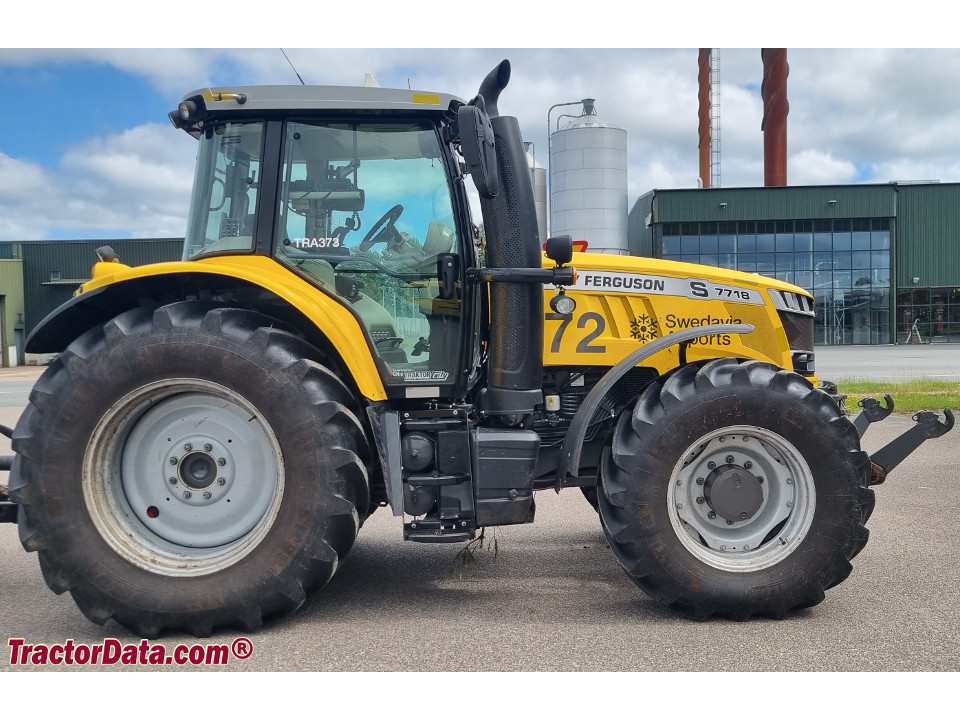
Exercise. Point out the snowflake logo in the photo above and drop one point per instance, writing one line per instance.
(643, 328)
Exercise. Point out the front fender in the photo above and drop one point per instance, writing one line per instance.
(573, 441)
(110, 294)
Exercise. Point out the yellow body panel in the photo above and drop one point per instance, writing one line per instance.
(337, 323)
(626, 302)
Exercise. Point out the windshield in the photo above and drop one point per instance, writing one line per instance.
(365, 212)
(225, 190)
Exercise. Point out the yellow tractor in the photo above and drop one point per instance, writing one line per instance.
(340, 336)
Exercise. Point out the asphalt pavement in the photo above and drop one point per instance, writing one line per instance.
(553, 597)
(889, 362)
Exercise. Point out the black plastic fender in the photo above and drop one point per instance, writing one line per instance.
(573, 442)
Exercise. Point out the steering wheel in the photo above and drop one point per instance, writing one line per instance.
(388, 343)
(383, 230)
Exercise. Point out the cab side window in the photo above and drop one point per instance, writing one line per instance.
(365, 213)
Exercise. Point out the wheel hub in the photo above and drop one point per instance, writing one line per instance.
(203, 465)
(198, 470)
(741, 498)
(733, 492)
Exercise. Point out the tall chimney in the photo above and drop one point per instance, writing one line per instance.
(775, 109)
(703, 95)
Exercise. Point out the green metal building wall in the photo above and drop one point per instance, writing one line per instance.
(928, 228)
(53, 269)
(788, 203)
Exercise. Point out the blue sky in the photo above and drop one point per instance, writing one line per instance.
(86, 150)
(94, 99)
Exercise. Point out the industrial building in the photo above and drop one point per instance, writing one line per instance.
(882, 261)
(37, 276)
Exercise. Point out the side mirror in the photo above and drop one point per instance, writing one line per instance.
(478, 148)
(560, 249)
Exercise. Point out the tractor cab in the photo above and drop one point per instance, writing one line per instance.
(367, 206)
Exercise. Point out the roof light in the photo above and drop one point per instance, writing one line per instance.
(188, 110)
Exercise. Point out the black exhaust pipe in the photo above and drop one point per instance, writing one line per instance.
(515, 370)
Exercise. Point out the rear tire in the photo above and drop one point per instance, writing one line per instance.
(189, 468)
(735, 490)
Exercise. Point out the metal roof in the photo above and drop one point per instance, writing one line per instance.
(260, 98)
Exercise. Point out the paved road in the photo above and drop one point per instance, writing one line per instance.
(889, 362)
(556, 599)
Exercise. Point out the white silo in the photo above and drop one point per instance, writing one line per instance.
(588, 182)
(538, 174)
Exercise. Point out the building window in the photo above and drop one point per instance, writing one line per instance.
(845, 264)
(928, 315)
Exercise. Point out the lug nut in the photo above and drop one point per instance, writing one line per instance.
(711, 514)
(729, 459)
(221, 481)
(208, 447)
(743, 516)
(789, 481)
(188, 447)
(173, 481)
(729, 522)
(760, 480)
(711, 465)
(221, 461)
(186, 494)
(700, 501)
(747, 465)
(207, 495)
(699, 481)
(174, 461)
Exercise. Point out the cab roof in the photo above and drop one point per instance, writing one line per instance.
(260, 98)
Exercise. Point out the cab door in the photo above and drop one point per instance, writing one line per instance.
(365, 213)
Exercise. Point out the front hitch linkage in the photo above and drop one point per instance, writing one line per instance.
(928, 426)
(8, 509)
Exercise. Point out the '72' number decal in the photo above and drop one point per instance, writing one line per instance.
(586, 344)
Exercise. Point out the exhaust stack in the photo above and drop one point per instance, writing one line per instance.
(516, 309)
(775, 109)
(703, 127)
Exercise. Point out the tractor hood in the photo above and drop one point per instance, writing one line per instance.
(609, 265)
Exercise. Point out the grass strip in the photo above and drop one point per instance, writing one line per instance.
(909, 396)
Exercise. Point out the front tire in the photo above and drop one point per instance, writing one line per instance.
(735, 489)
(189, 468)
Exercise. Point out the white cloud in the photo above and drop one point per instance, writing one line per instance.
(137, 183)
(904, 169)
(812, 167)
(855, 115)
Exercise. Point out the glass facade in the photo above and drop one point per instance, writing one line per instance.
(928, 315)
(845, 264)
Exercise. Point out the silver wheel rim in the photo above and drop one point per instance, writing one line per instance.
(183, 477)
(763, 498)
